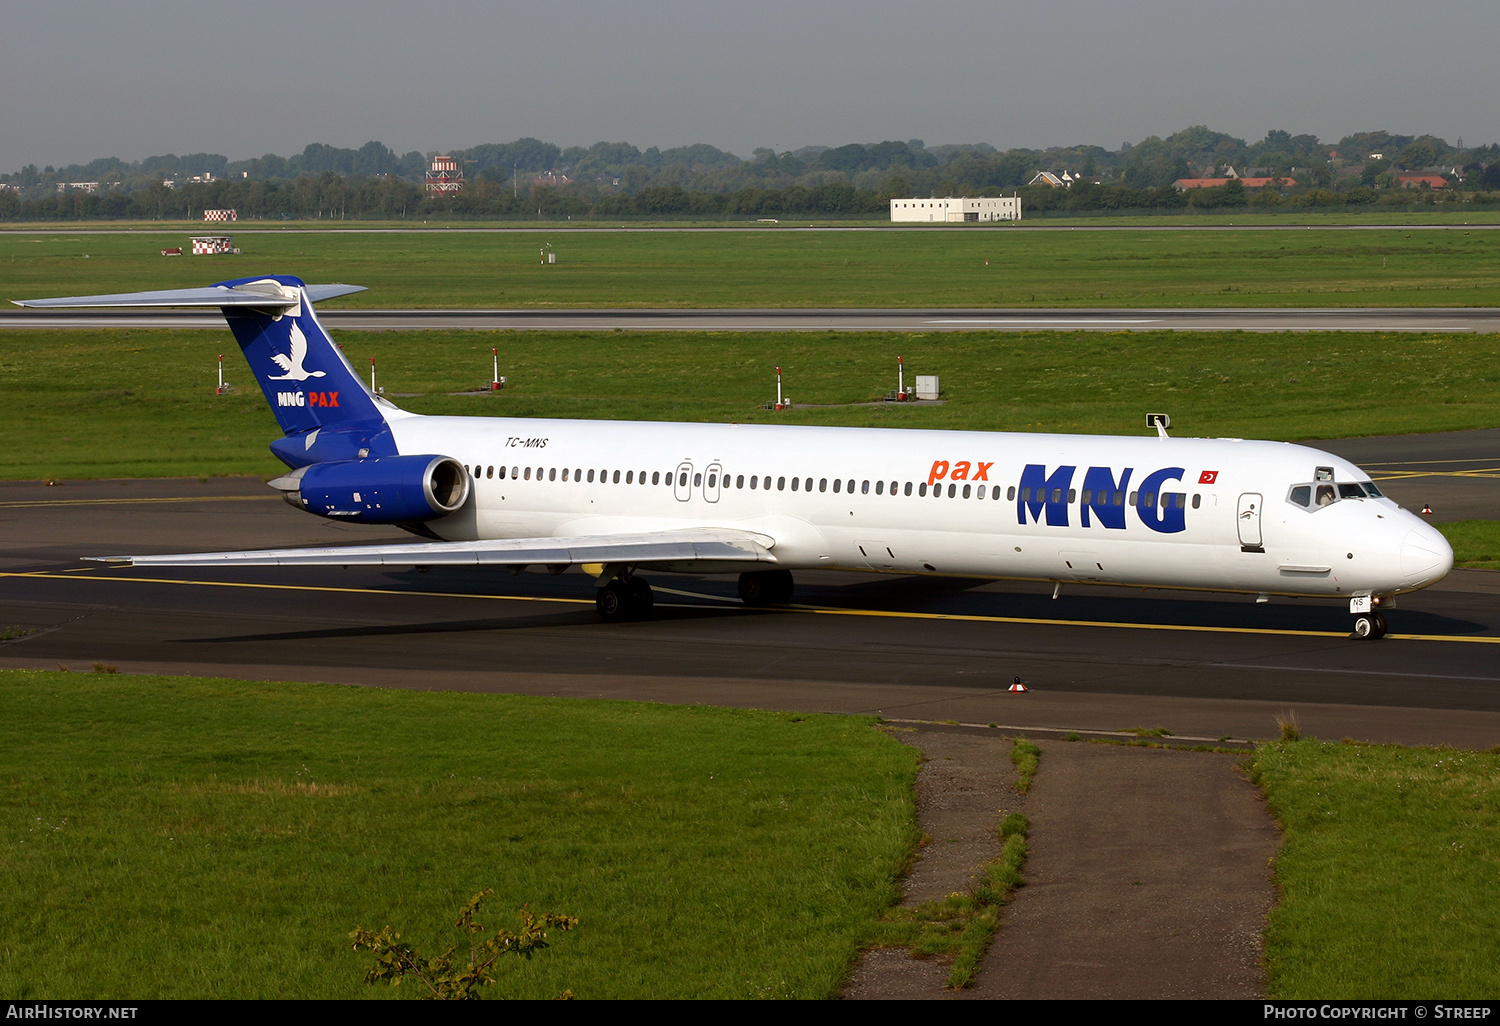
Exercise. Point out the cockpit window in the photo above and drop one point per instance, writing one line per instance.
(1375, 493)
(1351, 491)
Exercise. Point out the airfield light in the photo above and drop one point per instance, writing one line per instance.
(495, 380)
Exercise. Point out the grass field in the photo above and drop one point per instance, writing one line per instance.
(167, 837)
(1476, 543)
(1386, 870)
(132, 403)
(986, 267)
(176, 838)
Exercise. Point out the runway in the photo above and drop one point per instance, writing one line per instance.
(1436, 319)
(1202, 666)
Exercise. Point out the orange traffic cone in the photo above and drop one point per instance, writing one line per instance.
(1018, 686)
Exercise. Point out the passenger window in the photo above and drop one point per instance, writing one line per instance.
(952, 490)
(795, 482)
(922, 488)
(1088, 497)
(656, 477)
(698, 479)
(739, 480)
(879, 487)
(528, 473)
(1197, 497)
(591, 475)
(966, 491)
(1010, 494)
(781, 484)
(837, 484)
(907, 489)
(1133, 497)
(682, 481)
(552, 474)
(752, 482)
(864, 488)
(850, 486)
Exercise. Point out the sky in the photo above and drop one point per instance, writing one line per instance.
(82, 79)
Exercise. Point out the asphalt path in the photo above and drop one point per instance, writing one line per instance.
(1436, 319)
(1107, 660)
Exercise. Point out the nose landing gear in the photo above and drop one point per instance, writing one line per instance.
(1369, 625)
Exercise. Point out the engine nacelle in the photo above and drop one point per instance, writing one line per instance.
(379, 489)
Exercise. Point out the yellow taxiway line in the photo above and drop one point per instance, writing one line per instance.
(813, 610)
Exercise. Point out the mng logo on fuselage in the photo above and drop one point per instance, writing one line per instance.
(1044, 496)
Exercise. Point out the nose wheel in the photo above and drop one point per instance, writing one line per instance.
(1369, 625)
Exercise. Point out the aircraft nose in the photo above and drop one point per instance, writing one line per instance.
(1426, 556)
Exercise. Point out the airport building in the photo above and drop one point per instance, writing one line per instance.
(957, 208)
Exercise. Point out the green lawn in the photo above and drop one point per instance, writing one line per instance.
(133, 403)
(177, 838)
(1386, 872)
(976, 267)
(1476, 543)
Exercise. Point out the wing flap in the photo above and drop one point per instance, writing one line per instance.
(689, 546)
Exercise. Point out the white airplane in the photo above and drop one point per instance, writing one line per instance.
(616, 498)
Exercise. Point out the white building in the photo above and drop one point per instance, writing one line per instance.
(957, 208)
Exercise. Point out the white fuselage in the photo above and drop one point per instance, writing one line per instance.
(1181, 512)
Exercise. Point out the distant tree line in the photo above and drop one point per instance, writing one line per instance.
(529, 178)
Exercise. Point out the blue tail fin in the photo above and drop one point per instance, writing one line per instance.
(320, 402)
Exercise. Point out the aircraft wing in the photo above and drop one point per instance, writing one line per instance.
(676, 547)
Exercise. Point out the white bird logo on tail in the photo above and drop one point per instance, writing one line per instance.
(292, 363)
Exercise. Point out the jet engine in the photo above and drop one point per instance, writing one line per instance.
(379, 489)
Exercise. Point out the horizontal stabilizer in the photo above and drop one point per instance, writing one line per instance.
(213, 296)
(688, 546)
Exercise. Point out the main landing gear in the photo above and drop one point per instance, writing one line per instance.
(628, 598)
(766, 588)
(1369, 625)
